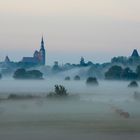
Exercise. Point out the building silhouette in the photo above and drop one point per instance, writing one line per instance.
(38, 57)
(135, 54)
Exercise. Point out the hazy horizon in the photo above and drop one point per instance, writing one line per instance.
(96, 30)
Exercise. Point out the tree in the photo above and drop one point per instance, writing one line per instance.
(138, 71)
(133, 84)
(67, 78)
(128, 74)
(92, 81)
(34, 74)
(20, 73)
(77, 77)
(59, 91)
(114, 72)
(23, 74)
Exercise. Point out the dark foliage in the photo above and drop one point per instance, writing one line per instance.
(16, 96)
(128, 74)
(23, 74)
(117, 73)
(77, 77)
(67, 78)
(60, 91)
(133, 84)
(92, 81)
(114, 73)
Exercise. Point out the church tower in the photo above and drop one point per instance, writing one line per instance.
(42, 53)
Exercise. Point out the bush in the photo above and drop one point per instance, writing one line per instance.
(34, 74)
(16, 96)
(114, 72)
(128, 74)
(92, 81)
(19, 73)
(23, 74)
(133, 84)
(77, 77)
(59, 91)
(67, 78)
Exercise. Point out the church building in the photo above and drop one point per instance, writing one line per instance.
(39, 57)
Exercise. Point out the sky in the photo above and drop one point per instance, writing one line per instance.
(94, 29)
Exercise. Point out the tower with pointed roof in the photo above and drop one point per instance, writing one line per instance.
(135, 54)
(7, 60)
(42, 53)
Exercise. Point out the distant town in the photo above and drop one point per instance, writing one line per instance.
(38, 61)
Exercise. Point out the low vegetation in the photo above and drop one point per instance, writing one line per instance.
(23, 74)
(77, 77)
(92, 81)
(21, 97)
(67, 78)
(59, 91)
(133, 84)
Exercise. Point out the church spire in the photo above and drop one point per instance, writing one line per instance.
(42, 52)
(135, 54)
(42, 43)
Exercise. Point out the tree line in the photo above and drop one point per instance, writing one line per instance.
(118, 73)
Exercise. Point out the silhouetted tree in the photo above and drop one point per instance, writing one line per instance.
(23, 74)
(92, 81)
(67, 78)
(128, 74)
(59, 91)
(77, 77)
(133, 84)
(34, 74)
(114, 72)
(20, 73)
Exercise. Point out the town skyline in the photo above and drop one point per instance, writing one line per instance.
(38, 57)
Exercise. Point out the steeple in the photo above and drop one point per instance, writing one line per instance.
(82, 61)
(135, 54)
(42, 43)
(7, 60)
(42, 53)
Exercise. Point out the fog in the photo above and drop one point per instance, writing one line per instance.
(86, 113)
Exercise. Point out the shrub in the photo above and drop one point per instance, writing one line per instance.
(92, 81)
(19, 73)
(77, 77)
(16, 96)
(59, 91)
(67, 78)
(114, 72)
(34, 74)
(133, 84)
(23, 74)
